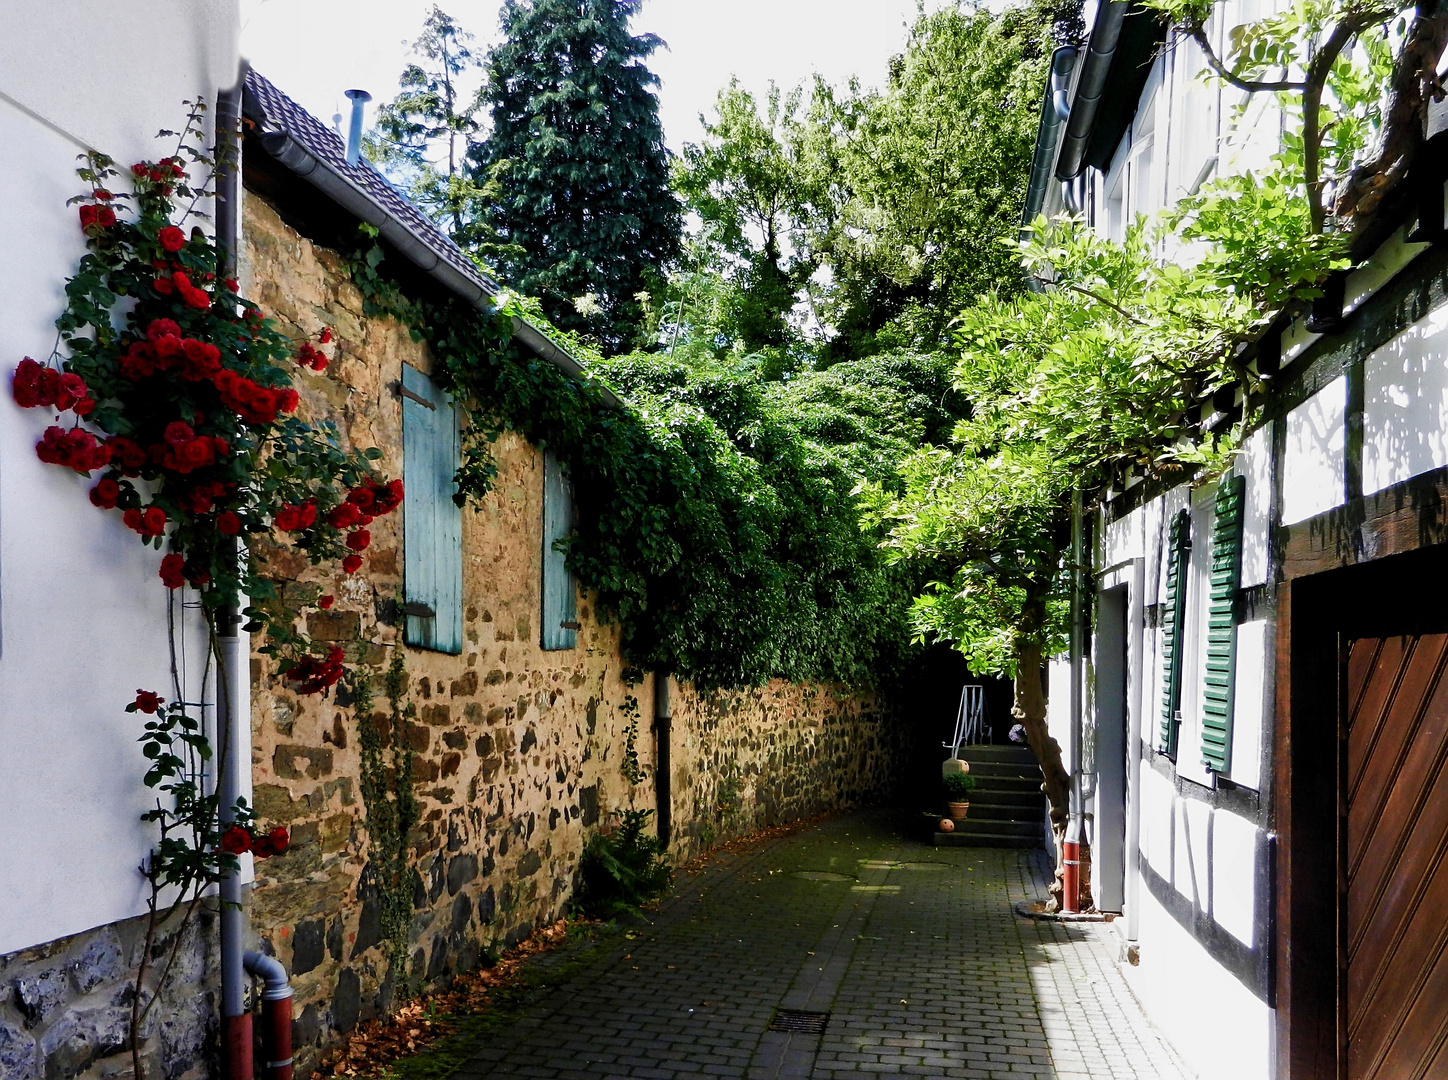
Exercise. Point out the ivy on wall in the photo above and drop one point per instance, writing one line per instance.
(724, 539)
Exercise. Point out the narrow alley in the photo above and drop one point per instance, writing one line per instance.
(911, 957)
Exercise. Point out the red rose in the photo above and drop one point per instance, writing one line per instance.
(178, 433)
(102, 194)
(313, 675)
(147, 701)
(227, 523)
(105, 494)
(197, 454)
(167, 346)
(231, 285)
(236, 840)
(160, 328)
(87, 217)
(172, 567)
(105, 217)
(196, 298)
(26, 384)
(362, 498)
(139, 169)
(344, 516)
(280, 840)
(163, 286)
(352, 563)
(325, 602)
(127, 454)
(132, 519)
(288, 400)
(171, 238)
(359, 540)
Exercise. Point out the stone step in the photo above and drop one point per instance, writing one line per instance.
(1013, 770)
(1034, 801)
(996, 840)
(1004, 826)
(1019, 785)
(1018, 754)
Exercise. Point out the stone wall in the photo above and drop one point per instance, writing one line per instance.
(519, 750)
(65, 1007)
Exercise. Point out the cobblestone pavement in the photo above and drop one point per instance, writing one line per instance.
(913, 951)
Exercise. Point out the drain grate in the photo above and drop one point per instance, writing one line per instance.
(799, 1022)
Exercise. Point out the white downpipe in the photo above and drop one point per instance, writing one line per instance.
(1135, 709)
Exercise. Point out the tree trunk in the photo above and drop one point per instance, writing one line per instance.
(1414, 81)
(1030, 710)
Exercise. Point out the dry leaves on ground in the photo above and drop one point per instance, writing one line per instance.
(412, 1028)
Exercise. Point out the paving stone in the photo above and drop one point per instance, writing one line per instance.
(914, 951)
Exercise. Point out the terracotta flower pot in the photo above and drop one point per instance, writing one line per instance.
(957, 810)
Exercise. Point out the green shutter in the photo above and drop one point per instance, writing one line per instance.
(1222, 624)
(1179, 544)
(432, 524)
(560, 604)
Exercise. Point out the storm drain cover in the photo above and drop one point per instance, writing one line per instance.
(799, 1022)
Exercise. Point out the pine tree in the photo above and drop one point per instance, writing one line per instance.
(424, 135)
(578, 159)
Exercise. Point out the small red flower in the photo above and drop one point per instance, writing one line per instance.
(172, 571)
(236, 840)
(147, 701)
(227, 523)
(171, 238)
(352, 563)
(359, 540)
(325, 602)
(105, 494)
(344, 516)
(325, 336)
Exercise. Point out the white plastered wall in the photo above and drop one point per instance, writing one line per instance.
(82, 611)
(1405, 404)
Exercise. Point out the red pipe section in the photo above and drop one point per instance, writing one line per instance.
(237, 1036)
(276, 1038)
(1071, 876)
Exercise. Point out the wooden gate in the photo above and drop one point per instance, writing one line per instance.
(1393, 860)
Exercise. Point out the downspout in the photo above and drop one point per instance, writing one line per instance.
(663, 729)
(1135, 710)
(1071, 846)
(1055, 110)
(1095, 68)
(234, 693)
(276, 1015)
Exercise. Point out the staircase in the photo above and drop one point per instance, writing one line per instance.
(1007, 807)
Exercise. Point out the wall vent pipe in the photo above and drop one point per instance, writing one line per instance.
(663, 727)
(359, 99)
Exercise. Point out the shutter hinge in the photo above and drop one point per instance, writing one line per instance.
(404, 392)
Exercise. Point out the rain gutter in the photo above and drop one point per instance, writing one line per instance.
(1055, 109)
(1090, 85)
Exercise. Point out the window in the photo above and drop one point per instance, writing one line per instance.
(560, 605)
(1219, 680)
(432, 525)
(1173, 629)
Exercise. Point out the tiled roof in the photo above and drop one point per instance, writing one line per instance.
(277, 112)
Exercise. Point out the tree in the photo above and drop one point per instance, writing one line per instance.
(937, 165)
(425, 132)
(577, 154)
(758, 184)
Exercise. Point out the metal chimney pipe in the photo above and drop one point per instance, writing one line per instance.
(359, 99)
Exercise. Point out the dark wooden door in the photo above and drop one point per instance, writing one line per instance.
(1393, 854)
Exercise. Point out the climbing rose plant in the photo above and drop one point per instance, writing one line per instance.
(174, 396)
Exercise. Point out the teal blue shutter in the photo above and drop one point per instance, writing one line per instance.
(1179, 544)
(1222, 625)
(560, 605)
(432, 524)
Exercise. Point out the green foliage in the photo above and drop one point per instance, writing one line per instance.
(723, 538)
(958, 786)
(577, 156)
(386, 783)
(623, 869)
(937, 165)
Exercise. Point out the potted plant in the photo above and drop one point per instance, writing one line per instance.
(958, 787)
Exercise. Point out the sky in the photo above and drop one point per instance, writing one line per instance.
(315, 49)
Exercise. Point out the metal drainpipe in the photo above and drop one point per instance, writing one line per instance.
(276, 1015)
(663, 726)
(234, 714)
(1071, 847)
